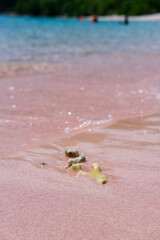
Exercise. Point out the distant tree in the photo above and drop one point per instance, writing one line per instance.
(80, 7)
(7, 5)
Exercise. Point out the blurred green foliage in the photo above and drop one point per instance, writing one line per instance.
(80, 7)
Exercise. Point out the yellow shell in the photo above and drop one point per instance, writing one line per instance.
(95, 173)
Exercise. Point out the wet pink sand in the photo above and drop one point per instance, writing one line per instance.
(109, 114)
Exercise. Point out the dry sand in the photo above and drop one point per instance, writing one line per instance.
(149, 17)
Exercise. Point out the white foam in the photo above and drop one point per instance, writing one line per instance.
(89, 124)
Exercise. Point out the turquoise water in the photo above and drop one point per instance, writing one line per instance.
(26, 39)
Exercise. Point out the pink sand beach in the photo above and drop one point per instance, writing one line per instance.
(108, 110)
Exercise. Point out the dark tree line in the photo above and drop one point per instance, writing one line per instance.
(80, 7)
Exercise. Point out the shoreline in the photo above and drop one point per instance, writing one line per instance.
(107, 18)
(143, 18)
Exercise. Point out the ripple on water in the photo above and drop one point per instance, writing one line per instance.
(127, 143)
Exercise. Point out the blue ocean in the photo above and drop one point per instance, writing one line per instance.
(29, 40)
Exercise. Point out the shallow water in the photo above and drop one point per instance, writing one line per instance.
(38, 107)
(45, 44)
(139, 135)
(92, 87)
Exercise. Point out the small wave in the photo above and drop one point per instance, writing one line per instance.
(89, 125)
(13, 69)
